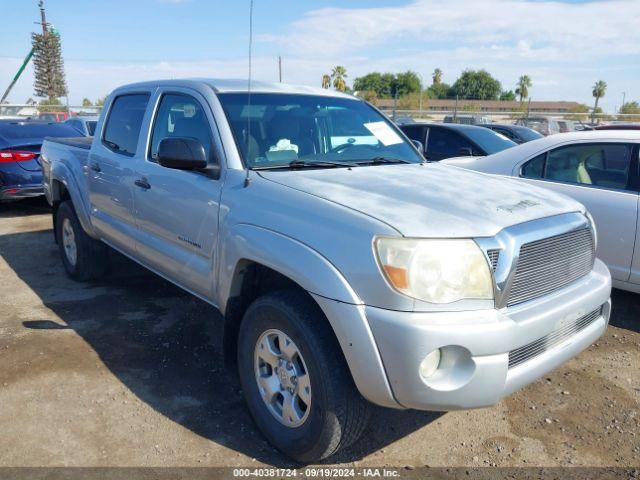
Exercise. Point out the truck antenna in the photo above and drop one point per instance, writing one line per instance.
(247, 179)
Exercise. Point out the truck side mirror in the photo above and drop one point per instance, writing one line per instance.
(182, 153)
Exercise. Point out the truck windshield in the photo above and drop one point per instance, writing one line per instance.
(279, 130)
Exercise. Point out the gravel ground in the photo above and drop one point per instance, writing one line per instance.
(128, 372)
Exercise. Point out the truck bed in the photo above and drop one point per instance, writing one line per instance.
(79, 142)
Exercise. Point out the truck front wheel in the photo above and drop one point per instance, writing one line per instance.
(295, 379)
(83, 257)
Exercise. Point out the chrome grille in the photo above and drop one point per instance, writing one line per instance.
(551, 263)
(493, 255)
(553, 339)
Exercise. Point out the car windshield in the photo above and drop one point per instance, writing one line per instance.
(528, 134)
(489, 141)
(275, 130)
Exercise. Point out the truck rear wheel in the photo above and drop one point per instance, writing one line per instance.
(83, 257)
(295, 379)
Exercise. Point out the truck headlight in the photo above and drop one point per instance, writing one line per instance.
(436, 271)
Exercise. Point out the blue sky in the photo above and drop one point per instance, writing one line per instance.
(565, 46)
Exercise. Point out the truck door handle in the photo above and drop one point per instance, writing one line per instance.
(142, 183)
(95, 167)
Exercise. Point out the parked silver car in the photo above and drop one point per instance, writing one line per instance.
(599, 169)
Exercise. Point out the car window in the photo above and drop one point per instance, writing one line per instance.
(534, 167)
(123, 125)
(180, 116)
(600, 165)
(446, 143)
(505, 132)
(91, 127)
(414, 132)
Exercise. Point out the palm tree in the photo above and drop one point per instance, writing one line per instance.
(339, 73)
(437, 76)
(326, 81)
(599, 88)
(524, 84)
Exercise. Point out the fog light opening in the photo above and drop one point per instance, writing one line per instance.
(430, 364)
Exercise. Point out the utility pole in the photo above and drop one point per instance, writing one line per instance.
(624, 97)
(43, 17)
(280, 68)
(455, 110)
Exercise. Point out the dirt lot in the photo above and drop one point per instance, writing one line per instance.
(128, 372)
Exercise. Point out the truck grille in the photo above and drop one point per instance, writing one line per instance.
(493, 255)
(551, 263)
(553, 339)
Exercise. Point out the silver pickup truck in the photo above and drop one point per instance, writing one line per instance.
(348, 270)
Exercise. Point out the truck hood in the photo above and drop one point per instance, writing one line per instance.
(430, 200)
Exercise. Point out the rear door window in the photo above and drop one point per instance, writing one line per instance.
(124, 122)
(599, 165)
(443, 143)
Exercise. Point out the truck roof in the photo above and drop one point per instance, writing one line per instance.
(225, 85)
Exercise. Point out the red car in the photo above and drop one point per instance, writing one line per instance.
(53, 116)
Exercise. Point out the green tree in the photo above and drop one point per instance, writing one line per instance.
(374, 82)
(523, 86)
(630, 108)
(326, 80)
(338, 74)
(437, 76)
(51, 105)
(386, 84)
(86, 102)
(48, 67)
(407, 83)
(599, 89)
(100, 101)
(476, 85)
(508, 95)
(438, 90)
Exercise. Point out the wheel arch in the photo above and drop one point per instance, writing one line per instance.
(250, 253)
(65, 187)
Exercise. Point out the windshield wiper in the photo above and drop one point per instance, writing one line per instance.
(306, 164)
(381, 161)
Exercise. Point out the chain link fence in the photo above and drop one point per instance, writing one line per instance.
(14, 110)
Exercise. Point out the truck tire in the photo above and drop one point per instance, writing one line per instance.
(295, 379)
(83, 257)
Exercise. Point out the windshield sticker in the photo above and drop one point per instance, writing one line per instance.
(384, 133)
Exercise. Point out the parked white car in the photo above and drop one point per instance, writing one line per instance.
(599, 169)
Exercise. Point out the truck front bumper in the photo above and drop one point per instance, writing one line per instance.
(485, 354)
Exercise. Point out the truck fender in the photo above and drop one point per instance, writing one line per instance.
(61, 175)
(287, 256)
(327, 286)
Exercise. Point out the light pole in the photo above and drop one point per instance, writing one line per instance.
(421, 92)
